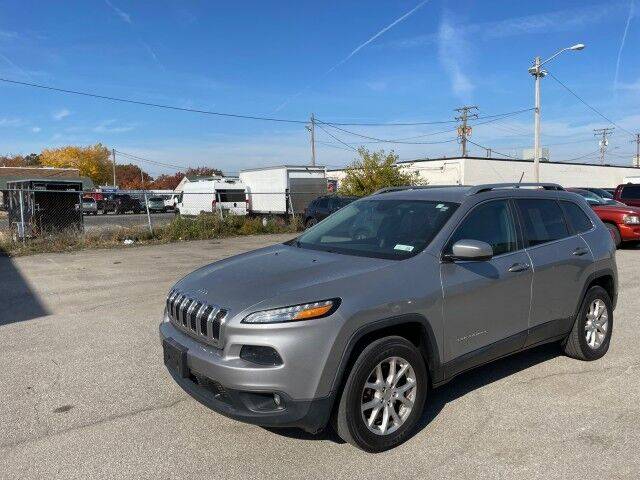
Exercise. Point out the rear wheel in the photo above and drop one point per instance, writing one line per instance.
(383, 396)
(615, 234)
(591, 334)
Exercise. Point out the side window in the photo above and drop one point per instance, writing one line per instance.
(492, 223)
(630, 191)
(577, 218)
(542, 220)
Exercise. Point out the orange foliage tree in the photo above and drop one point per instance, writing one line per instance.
(92, 161)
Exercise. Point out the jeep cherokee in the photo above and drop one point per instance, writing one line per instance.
(356, 320)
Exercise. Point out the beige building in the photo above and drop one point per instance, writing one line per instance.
(478, 170)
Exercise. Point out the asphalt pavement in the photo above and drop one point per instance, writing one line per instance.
(84, 393)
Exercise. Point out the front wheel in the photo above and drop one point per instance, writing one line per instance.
(383, 396)
(591, 334)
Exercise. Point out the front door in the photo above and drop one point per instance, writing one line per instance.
(486, 303)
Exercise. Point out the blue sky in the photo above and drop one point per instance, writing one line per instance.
(288, 59)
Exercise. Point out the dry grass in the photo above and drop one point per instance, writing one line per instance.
(203, 227)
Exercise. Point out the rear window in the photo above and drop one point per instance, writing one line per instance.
(543, 221)
(232, 195)
(630, 191)
(156, 199)
(576, 217)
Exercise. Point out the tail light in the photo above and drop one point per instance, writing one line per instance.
(213, 205)
(247, 201)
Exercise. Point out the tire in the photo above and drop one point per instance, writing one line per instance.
(582, 345)
(310, 223)
(348, 419)
(615, 233)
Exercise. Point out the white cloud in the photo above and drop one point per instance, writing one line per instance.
(632, 87)
(60, 114)
(549, 22)
(623, 41)
(376, 85)
(11, 122)
(110, 126)
(36, 129)
(452, 52)
(124, 16)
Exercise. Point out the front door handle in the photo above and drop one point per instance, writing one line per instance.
(580, 251)
(519, 267)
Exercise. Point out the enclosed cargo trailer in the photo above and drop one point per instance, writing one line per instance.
(284, 189)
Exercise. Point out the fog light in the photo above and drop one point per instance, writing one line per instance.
(277, 400)
(260, 355)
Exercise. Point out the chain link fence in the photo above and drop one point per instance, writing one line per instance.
(32, 214)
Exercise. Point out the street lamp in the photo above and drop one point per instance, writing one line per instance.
(538, 73)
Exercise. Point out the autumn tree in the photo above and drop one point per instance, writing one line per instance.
(31, 160)
(373, 171)
(167, 182)
(132, 177)
(92, 161)
(203, 172)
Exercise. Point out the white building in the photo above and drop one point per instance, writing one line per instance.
(478, 170)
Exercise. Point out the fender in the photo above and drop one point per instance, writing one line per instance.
(430, 351)
(603, 272)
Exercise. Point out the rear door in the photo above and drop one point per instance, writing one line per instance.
(486, 303)
(233, 201)
(560, 259)
(322, 208)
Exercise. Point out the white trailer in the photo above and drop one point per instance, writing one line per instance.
(284, 189)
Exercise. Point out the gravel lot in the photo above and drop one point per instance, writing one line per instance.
(111, 220)
(84, 393)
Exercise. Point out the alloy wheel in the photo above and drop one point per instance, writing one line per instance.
(597, 324)
(388, 395)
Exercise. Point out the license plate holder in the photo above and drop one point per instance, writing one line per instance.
(175, 357)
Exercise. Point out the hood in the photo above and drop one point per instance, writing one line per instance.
(239, 282)
(624, 209)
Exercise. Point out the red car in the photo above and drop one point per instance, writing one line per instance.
(623, 221)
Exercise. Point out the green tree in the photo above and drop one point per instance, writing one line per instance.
(373, 171)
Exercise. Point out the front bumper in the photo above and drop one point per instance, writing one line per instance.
(629, 232)
(241, 390)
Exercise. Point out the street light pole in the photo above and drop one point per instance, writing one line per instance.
(537, 71)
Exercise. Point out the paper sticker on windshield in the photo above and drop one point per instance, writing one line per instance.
(404, 248)
(442, 206)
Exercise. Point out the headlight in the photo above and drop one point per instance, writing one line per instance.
(631, 219)
(306, 311)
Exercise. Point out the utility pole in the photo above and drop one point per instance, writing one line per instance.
(113, 152)
(636, 160)
(603, 133)
(538, 73)
(312, 130)
(488, 153)
(463, 130)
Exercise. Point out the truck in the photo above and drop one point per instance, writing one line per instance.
(284, 189)
(218, 195)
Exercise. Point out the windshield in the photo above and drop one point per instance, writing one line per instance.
(393, 229)
(593, 199)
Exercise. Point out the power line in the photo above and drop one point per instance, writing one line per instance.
(381, 140)
(149, 104)
(492, 150)
(589, 106)
(335, 138)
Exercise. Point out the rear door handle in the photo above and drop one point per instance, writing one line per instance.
(519, 267)
(580, 251)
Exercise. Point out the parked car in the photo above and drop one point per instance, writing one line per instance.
(322, 207)
(120, 203)
(601, 192)
(89, 206)
(171, 202)
(622, 220)
(156, 204)
(355, 330)
(628, 193)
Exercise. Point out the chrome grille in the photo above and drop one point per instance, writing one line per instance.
(198, 319)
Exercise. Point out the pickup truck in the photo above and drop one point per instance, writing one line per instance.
(119, 203)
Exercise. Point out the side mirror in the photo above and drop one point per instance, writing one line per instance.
(471, 250)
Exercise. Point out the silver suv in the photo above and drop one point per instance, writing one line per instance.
(354, 321)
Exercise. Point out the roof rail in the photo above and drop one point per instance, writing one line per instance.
(411, 187)
(498, 186)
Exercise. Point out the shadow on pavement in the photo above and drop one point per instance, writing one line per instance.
(17, 300)
(456, 388)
